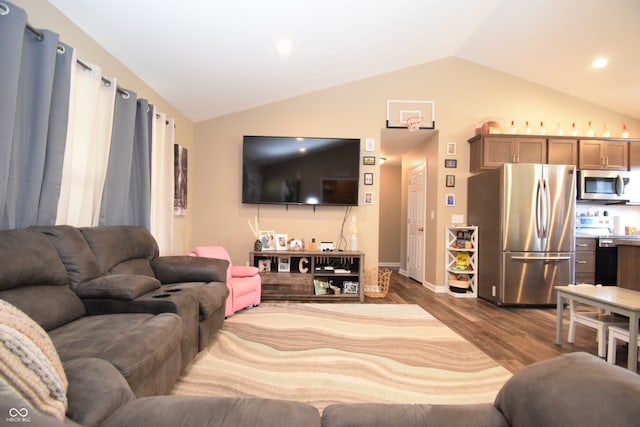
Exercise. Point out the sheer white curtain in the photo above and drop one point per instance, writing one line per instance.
(162, 137)
(87, 148)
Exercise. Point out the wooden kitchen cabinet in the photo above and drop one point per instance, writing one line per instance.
(562, 151)
(585, 260)
(492, 151)
(603, 155)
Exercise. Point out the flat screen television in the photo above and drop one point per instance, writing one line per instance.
(300, 171)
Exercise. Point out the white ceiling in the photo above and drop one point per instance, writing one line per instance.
(209, 58)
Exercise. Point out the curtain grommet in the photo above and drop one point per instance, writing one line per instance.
(4, 9)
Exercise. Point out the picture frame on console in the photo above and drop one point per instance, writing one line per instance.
(350, 288)
(264, 265)
(281, 242)
(268, 240)
(284, 264)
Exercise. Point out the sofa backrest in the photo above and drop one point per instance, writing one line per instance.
(122, 249)
(33, 278)
(75, 253)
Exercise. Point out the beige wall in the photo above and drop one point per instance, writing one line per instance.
(41, 14)
(464, 95)
(390, 215)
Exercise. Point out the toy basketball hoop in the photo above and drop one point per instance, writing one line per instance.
(413, 123)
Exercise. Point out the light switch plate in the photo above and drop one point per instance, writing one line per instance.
(457, 219)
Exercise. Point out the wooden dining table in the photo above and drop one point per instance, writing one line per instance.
(614, 299)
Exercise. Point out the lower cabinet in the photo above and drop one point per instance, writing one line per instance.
(310, 276)
(586, 260)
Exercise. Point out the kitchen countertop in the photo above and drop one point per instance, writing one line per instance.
(633, 241)
(616, 237)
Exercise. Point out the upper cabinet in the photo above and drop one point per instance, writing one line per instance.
(603, 154)
(493, 150)
(562, 151)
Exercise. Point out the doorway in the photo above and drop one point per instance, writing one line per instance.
(416, 219)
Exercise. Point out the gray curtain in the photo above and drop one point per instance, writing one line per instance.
(116, 205)
(140, 189)
(57, 136)
(27, 88)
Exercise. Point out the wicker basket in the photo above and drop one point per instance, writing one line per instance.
(377, 287)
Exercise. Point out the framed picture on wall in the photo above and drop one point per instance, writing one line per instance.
(451, 181)
(369, 160)
(451, 199)
(368, 178)
(368, 198)
(450, 163)
(451, 148)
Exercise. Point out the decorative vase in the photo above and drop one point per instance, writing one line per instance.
(257, 246)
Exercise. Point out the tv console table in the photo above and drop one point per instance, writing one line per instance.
(310, 276)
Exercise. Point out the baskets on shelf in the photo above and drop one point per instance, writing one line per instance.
(377, 283)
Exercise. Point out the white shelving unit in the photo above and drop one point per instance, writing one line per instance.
(461, 261)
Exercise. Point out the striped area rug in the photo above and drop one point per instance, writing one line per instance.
(326, 353)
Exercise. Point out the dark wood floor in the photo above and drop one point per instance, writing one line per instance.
(514, 337)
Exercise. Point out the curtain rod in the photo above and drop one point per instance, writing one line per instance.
(106, 81)
(40, 36)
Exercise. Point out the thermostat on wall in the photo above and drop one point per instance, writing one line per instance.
(327, 246)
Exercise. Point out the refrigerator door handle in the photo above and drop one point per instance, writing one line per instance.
(539, 226)
(547, 210)
(541, 258)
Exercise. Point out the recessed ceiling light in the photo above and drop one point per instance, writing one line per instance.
(284, 47)
(600, 62)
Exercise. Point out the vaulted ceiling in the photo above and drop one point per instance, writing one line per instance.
(210, 58)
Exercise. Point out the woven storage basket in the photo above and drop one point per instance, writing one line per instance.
(377, 283)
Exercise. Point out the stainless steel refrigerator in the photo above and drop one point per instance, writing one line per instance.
(525, 215)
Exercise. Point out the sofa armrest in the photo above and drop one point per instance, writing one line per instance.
(184, 268)
(96, 390)
(117, 286)
(411, 415)
(569, 390)
(244, 271)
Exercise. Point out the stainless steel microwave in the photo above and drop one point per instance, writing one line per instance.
(607, 185)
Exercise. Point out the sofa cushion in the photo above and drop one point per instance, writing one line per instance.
(50, 306)
(576, 389)
(128, 245)
(190, 411)
(29, 362)
(135, 343)
(79, 261)
(33, 260)
(118, 286)
(96, 390)
(35, 280)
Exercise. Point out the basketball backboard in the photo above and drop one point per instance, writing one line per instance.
(402, 113)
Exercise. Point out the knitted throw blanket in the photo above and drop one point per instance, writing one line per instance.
(29, 362)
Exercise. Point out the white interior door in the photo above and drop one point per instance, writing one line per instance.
(416, 217)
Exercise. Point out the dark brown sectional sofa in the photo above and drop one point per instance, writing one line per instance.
(125, 321)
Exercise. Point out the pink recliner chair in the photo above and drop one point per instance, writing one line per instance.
(244, 282)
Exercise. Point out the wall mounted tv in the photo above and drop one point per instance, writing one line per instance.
(300, 171)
